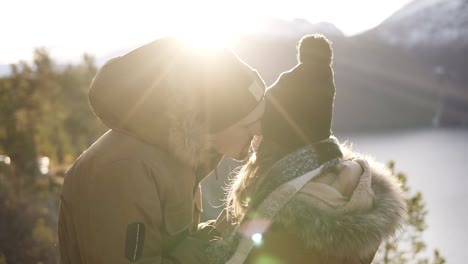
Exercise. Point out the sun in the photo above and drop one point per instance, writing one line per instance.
(206, 38)
(208, 25)
(204, 32)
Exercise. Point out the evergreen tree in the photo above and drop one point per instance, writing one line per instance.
(410, 246)
(40, 108)
(18, 112)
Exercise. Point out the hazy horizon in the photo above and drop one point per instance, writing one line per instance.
(70, 29)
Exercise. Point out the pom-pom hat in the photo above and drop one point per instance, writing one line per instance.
(300, 103)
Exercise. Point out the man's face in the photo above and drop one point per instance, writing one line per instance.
(235, 140)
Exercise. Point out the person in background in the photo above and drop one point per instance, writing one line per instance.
(173, 111)
(303, 197)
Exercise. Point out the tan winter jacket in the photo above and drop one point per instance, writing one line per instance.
(124, 200)
(134, 195)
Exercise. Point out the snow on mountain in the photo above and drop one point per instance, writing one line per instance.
(428, 23)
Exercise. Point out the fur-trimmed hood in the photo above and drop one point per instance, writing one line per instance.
(131, 94)
(375, 211)
(169, 94)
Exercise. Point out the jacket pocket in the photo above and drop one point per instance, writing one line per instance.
(179, 218)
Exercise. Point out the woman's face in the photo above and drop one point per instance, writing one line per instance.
(235, 140)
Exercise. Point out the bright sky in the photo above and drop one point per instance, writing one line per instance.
(68, 28)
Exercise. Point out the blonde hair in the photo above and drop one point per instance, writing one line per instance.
(245, 183)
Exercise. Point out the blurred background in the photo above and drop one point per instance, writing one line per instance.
(401, 75)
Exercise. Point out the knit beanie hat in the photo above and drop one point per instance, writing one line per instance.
(133, 92)
(299, 105)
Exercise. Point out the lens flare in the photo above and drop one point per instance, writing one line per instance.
(257, 239)
(207, 39)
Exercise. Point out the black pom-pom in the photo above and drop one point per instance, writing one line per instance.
(315, 48)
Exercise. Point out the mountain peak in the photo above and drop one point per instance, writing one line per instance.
(299, 27)
(427, 23)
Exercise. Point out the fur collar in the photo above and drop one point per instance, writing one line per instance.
(346, 232)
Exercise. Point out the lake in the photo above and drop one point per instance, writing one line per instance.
(436, 162)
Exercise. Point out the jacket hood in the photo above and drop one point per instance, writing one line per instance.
(375, 212)
(150, 94)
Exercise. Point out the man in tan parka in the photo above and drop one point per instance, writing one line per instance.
(173, 112)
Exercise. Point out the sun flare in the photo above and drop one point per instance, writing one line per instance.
(203, 33)
(206, 39)
(206, 28)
